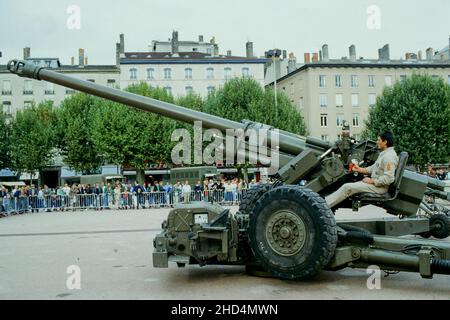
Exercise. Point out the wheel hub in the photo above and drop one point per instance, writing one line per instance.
(286, 233)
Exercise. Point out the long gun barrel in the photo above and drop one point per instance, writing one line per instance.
(288, 143)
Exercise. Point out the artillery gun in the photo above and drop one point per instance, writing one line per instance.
(285, 228)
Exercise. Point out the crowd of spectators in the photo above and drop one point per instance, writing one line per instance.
(118, 195)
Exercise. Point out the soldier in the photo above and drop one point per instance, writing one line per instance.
(382, 173)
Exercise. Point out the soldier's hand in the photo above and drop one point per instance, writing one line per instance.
(368, 180)
(356, 168)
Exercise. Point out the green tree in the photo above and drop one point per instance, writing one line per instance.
(33, 138)
(125, 136)
(5, 144)
(417, 112)
(74, 133)
(244, 98)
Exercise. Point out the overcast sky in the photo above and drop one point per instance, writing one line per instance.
(295, 25)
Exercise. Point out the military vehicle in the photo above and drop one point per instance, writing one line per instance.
(193, 174)
(286, 229)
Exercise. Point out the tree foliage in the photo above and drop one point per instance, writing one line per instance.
(129, 137)
(5, 142)
(74, 133)
(34, 138)
(417, 112)
(244, 98)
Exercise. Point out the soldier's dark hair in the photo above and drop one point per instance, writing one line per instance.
(387, 136)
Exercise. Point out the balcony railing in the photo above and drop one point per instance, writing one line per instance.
(49, 92)
(6, 92)
(27, 92)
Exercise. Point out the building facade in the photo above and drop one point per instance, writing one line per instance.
(201, 70)
(329, 92)
(18, 93)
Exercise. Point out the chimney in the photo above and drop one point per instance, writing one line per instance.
(122, 43)
(229, 53)
(383, 53)
(81, 57)
(200, 38)
(117, 54)
(86, 61)
(352, 52)
(175, 42)
(292, 62)
(306, 57)
(419, 55)
(26, 52)
(315, 57)
(325, 55)
(429, 54)
(284, 54)
(320, 55)
(72, 61)
(249, 49)
(408, 55)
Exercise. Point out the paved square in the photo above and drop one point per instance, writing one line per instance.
(113, 250)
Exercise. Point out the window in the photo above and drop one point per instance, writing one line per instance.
(210, 73)
(339, 103)
(28, 87)
(322, 81)
(371, 81)
(227, 73)
(356, 119)
(388, 81)
(189, 90)
(150, 74)
(324, 137)
(6, 90)
(402, 78)
(111, 83)
(188, 73)
(324, 120)
(211, 89)
(340, 119)
(245, 72)
(337, 79)
(167, 73)
(300, 103)
(27, 104)
(168, 90)
(49, 88)
(323, 100)
(7, 107)
(354, 81)
(48, 63)
(372, 99)
(133, 74)
(355, 100)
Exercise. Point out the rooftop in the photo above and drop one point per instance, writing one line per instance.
(369, 63)
(184, 57)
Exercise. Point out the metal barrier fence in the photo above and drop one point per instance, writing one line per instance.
(124, 200)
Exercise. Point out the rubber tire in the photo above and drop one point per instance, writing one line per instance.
(250, 197)
(319, 246)
(444, 221)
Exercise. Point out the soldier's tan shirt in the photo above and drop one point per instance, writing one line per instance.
(383, 170)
